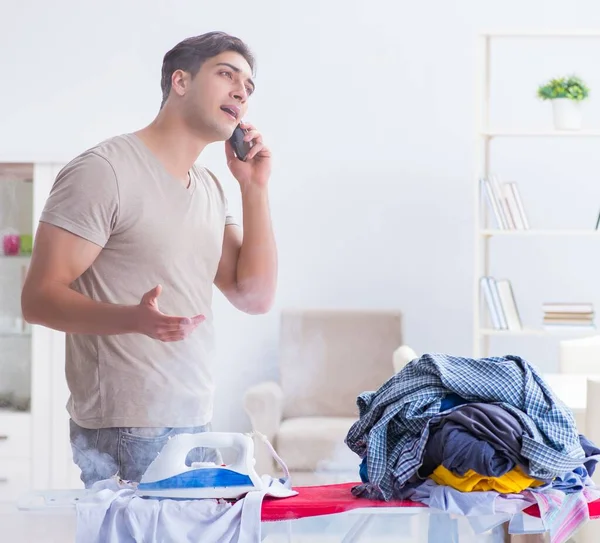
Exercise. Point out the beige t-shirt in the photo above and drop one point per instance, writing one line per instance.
(152, 229)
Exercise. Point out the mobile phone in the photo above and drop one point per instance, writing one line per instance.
(240, 147)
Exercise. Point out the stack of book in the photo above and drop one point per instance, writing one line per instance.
(501, 304)
(574, 315)
(504, 204)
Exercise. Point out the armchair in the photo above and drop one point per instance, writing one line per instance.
(326, 359)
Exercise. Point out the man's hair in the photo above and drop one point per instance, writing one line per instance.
(191, 53)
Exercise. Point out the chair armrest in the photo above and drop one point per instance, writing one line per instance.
(263, 404)
(402, 356)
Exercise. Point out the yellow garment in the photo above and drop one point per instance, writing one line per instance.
(512, 482)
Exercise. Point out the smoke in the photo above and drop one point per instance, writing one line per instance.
(341, 465)
(95, 465)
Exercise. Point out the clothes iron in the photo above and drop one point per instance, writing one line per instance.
(168, 476)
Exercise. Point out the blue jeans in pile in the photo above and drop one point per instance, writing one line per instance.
(127, 452)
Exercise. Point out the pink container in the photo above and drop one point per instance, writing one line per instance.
(11, 244)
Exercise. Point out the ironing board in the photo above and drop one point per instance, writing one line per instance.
(317, 510)
(327, 500)
(331, 499)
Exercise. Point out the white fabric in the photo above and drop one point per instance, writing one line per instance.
(114, 514)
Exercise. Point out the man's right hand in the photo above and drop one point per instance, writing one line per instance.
(155, 324)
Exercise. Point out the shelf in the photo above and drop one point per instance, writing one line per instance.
(541, 232)
(15, 256)
(16, 410)
(591, 133)
(538, 332)
(543, 34)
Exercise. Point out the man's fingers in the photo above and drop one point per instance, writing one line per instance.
(171, 337)
(152, 294)
(175, 335)
(180, 323)
(255, 150)
(191, 321)
(173, 324)
(253, 135)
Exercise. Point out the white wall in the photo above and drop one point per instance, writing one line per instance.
(369, 109)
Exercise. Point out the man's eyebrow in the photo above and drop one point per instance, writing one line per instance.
(237, 70)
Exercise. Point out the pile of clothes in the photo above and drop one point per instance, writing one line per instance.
(475, 437)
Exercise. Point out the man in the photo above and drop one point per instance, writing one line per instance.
(130, 242)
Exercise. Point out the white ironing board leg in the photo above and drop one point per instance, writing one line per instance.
(356, 530)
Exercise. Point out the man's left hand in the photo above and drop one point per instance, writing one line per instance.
(256, 169)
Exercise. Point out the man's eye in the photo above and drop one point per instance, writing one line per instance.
(249, 90)
(228, 74)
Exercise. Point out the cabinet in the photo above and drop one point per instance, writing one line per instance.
(34, 436)
(16, 221)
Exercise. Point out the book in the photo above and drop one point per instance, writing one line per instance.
(504, 204)
(564, 307)
(509, 304)
(565, 315)
(486, 289)
(501, 303)
(493, 204)
(519, 205)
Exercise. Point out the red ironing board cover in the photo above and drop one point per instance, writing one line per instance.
(313, 501)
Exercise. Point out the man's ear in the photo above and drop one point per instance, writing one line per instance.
(180, 82)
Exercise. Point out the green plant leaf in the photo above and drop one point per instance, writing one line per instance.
(571, 87)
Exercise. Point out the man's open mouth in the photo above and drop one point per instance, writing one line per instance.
(232, 111)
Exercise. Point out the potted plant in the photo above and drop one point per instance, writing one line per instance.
(566, 95)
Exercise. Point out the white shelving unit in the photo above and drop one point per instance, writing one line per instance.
(483, 331)
(34, 441)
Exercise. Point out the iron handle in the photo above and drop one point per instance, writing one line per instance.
(3, 480)
(3, 438)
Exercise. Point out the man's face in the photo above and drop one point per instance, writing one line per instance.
(218, 97)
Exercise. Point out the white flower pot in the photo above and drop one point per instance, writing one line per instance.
(567, 114)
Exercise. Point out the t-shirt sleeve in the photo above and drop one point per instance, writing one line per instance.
(229, 219)
(84, 199)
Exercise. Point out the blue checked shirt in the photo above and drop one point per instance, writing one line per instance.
(393, 427)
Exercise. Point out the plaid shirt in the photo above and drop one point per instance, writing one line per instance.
(393, 427)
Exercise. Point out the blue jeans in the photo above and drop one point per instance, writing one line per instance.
(127, 452)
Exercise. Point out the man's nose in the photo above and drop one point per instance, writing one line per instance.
(240, 93)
